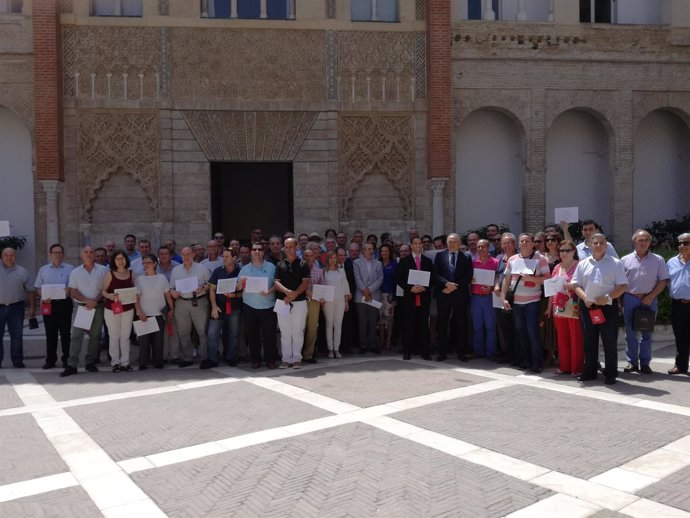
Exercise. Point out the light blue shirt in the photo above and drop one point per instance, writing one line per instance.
(583, 251)
(679, 275)
(51, 274)
(256, 300)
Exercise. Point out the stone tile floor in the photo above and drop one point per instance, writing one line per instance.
(361, 436)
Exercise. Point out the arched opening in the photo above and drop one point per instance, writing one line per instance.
(661, 179)
(489, 171)
(17, 180)
(577, 167)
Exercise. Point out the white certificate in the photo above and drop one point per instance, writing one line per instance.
(84, 317)
(323, 292)
(373, 303)
(256, 284)
(596, 290)
(522, 266)
(226, 285)
(567, 214)
(484, 277)
(399, 292)
(418, 278)
(553, 285)
(188, 285)
(496, 301)
(53, 291)
(280, 307)
(126, 295)
(4, 228)
(146, 328)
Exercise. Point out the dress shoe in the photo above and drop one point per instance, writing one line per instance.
(91, 367)
(232, 363)
(126, 368)
(426, 357)
(68, 372)
(271, 365)
(646, 369)
(19, 365)
(441, 358)
(184, 364)
(610, 381)
(207, 364)
(407, 356)
(376, 351)
(631, 367)
(142, 367)
(463, 358)
(256, 365)
(676, 370)
(48, 366)
(586, 378)
(535, 370)
(310, 360)
(158, 366)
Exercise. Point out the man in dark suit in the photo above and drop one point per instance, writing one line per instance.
(416, 300)
(453, 271)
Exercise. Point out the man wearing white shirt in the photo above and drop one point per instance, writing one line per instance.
(60, 318)
(191, 308)
(213, 260)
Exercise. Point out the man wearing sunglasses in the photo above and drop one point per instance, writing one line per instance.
(679, 289)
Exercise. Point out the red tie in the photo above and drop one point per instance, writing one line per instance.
(417, 297)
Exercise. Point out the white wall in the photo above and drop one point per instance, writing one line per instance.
(16, 179)
(577, 167)
(661, 181)
(489, 172)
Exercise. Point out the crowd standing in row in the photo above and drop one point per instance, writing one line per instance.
(475, 296)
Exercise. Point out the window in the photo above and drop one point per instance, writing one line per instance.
(11, 6)
(248, 9)
(595, 11)
(117, 8)
(374, 10)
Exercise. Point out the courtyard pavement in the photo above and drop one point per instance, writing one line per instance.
(362, 436)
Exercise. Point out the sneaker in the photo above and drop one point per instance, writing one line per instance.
(338, 355)
(116, 368)
(297, 365)
(331, 355)
(126, 368)
(632, 367)
(284, 365)
(646, 369)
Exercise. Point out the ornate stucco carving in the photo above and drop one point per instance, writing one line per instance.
(376, 144)
(233, 135)
(113, 142)
(271, 65)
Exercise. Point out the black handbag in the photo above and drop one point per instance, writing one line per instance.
(643, 320)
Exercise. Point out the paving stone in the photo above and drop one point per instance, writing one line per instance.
(352, 470)
(25, 452)
(87, 384)
(8, 397)
(674, 490)
(571, 434)
(72, 502)
(376, 382)
(142, 426)
(605, 513)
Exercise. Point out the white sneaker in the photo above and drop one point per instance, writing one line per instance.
(284, 365)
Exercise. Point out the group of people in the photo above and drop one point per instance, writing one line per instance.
(473, 295)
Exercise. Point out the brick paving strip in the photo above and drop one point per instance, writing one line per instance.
(610, 490)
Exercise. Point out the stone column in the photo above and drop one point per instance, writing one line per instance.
(51, 188)
(521, 12)
(263, 13)
(489, 13)
(374, 16)
(290, 9)
(85, 231)
(552, 16)
(157, 231)
(233, 9)
(438, 210)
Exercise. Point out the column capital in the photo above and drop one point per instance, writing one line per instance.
(437, 185)
(51, 187)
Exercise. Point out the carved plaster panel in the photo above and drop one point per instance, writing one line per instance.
(420, 10)
(376, 145)
(111, 143)
(228, 135)
(220, 64)
(378, 56)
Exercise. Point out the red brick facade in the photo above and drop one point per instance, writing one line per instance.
(47, 90)
(439, 89)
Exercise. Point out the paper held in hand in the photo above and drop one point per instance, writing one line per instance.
(522, 266)
(484, 277)
(126, 295)
(323, 292)
(53, 292)
(553, 285)
(226, 285)
(496, 301)
(256, 284)
(84, 317)
(373, 303)
(567, 214)
(594, 291)
(419, 278)
(281, 308)
(146, 328)
(187, 286)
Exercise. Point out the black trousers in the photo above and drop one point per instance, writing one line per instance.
(151, 345)
(58, 323)
(458, 308)
(608, 332)
(680, 322)
(416, 328)
(260, 324)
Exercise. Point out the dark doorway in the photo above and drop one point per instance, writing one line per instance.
(245, 195)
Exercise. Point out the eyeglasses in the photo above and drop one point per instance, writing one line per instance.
(426, 242)
(536, 241)
(566, 250)
(550, 239)
(257, 249)
(683, 243)
(218, 237)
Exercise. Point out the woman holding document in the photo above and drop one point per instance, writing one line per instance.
(153, 297)
(119, 315)
(334, 310)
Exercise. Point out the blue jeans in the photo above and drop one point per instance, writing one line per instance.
(526, 318)
(230, 326)
(483, 325)
(637, 351)
(13, 317)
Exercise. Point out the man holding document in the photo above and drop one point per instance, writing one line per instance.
(368, 279)
(413, 275)
(226, 301)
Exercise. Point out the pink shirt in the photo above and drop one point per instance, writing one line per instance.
(490, 264)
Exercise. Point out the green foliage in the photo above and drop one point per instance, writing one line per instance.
(663, 315)
(665, 232)
(16, 242)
